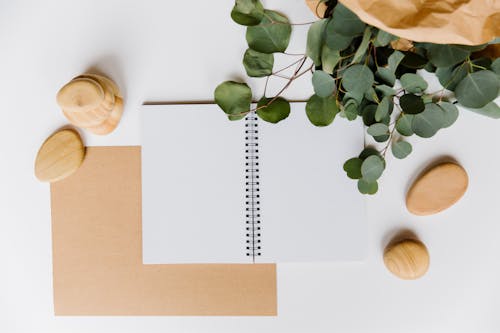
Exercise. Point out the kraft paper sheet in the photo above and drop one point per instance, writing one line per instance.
(97, 253)
(468, 22)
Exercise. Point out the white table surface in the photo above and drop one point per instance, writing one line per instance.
(179, 51)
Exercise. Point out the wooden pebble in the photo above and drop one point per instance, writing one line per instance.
(407, 259)
(59, 156)
(437, 189)
(111, 122)
(80, 95)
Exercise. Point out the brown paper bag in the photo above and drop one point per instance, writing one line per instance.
(468, 22)
(97, 253)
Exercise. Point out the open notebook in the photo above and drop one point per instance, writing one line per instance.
(216, 191)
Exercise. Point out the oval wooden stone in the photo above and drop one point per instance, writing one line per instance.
(59, 156)
(407, 259)
(437, 189)
(81, 94)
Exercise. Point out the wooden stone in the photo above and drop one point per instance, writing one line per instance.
(111, 122)
(437, 189)
(81, 95)
(59, 156)
(407, 259)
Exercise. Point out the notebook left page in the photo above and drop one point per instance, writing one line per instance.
(192, 185)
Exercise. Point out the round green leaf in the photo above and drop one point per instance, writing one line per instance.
(323, 83)
(315, 38)
(450, 113)
(351, 109)
(366, 187)
(401, 149)
(271, 35)
(367, 152)
(413, 83)
(258, 64)
(368, 114)
(427, 123)
(336, 41)
(278, 110)
(329, 59)
(372, 168)
(321, 110)
(236, 117)
(491, 110)
(386, 76)
(357, 78)
(233, 98)
(382, 138)
(495, 66)
(247, 12)
(477, 89)
(345, 22)
(450, 77)
(353, 168)
(404, 124)
(443, 55)
(383, 109)
(378, 129)
(411, 104)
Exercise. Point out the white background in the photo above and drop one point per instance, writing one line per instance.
(179, 51)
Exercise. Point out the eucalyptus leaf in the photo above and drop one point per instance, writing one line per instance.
(477, 89)
(275, 111)
(258, 64)
(495, 66)
(315, 39)
(334, 40)
(413, 83)
(384, 38)
(366, 187)
(372, 168)
(383, 109)
(444, 55)
(233, 98)
(271, 35)
(371, 95)
(491, 110)
(404, 124)
(363, 47)
(427, 123)
(357, 78)
(450, 77)
(450, 113)
(378, 129)
(236, 117)
(247, 12)
(367, 152)
(385, 90)
(368, 114)
(321, 110)
(329, 59)
(382, 138)
(386, 75)
(345, 22)
(394, 60)
(353, 168)
(323, 83)
(351, 109)
(411, 104)
(401, 149)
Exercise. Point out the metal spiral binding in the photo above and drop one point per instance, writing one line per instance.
(252, 194)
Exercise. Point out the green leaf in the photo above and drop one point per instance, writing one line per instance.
(394, 60)
(401, 149)
(367, 152)
(258, 64)
(411, 104)
(383, 109)
(363, 46)
(271, 35)
(315, 38)
(413, 83)
(413, 60)
(404, 124)
(385, 90)
(351, 109)
(372, 168)
(491, 110)
(477, 89)
(450, 113)
(247, 12)
(450, 77)
(334, 40)
(353, 168)
(442, 55)
(366, 187)
(276, 111)
(381, 138)
(384, 38)
(378, 129)
(323, 83)
(321, 110)
(357, 78)
(427, 123)
(368, 114)
(236, 117)
(495, 66)
(387, 76)
(329, 59)
(371, 95)
(345, 22)
(233, 98)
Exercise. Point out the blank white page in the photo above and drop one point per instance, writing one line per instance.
(310, 210)
(192, 185)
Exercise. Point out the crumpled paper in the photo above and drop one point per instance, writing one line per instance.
(467, 22)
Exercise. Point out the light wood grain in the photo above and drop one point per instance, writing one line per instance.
(437, 189)
(81, 94)
(59, 156)
(407, 259)
(111, 122)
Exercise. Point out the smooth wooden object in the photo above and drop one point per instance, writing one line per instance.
(59, 156)
(437, 189)
(81, 94)
(407, 259)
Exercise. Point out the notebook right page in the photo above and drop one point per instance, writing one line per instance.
(310, 211)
